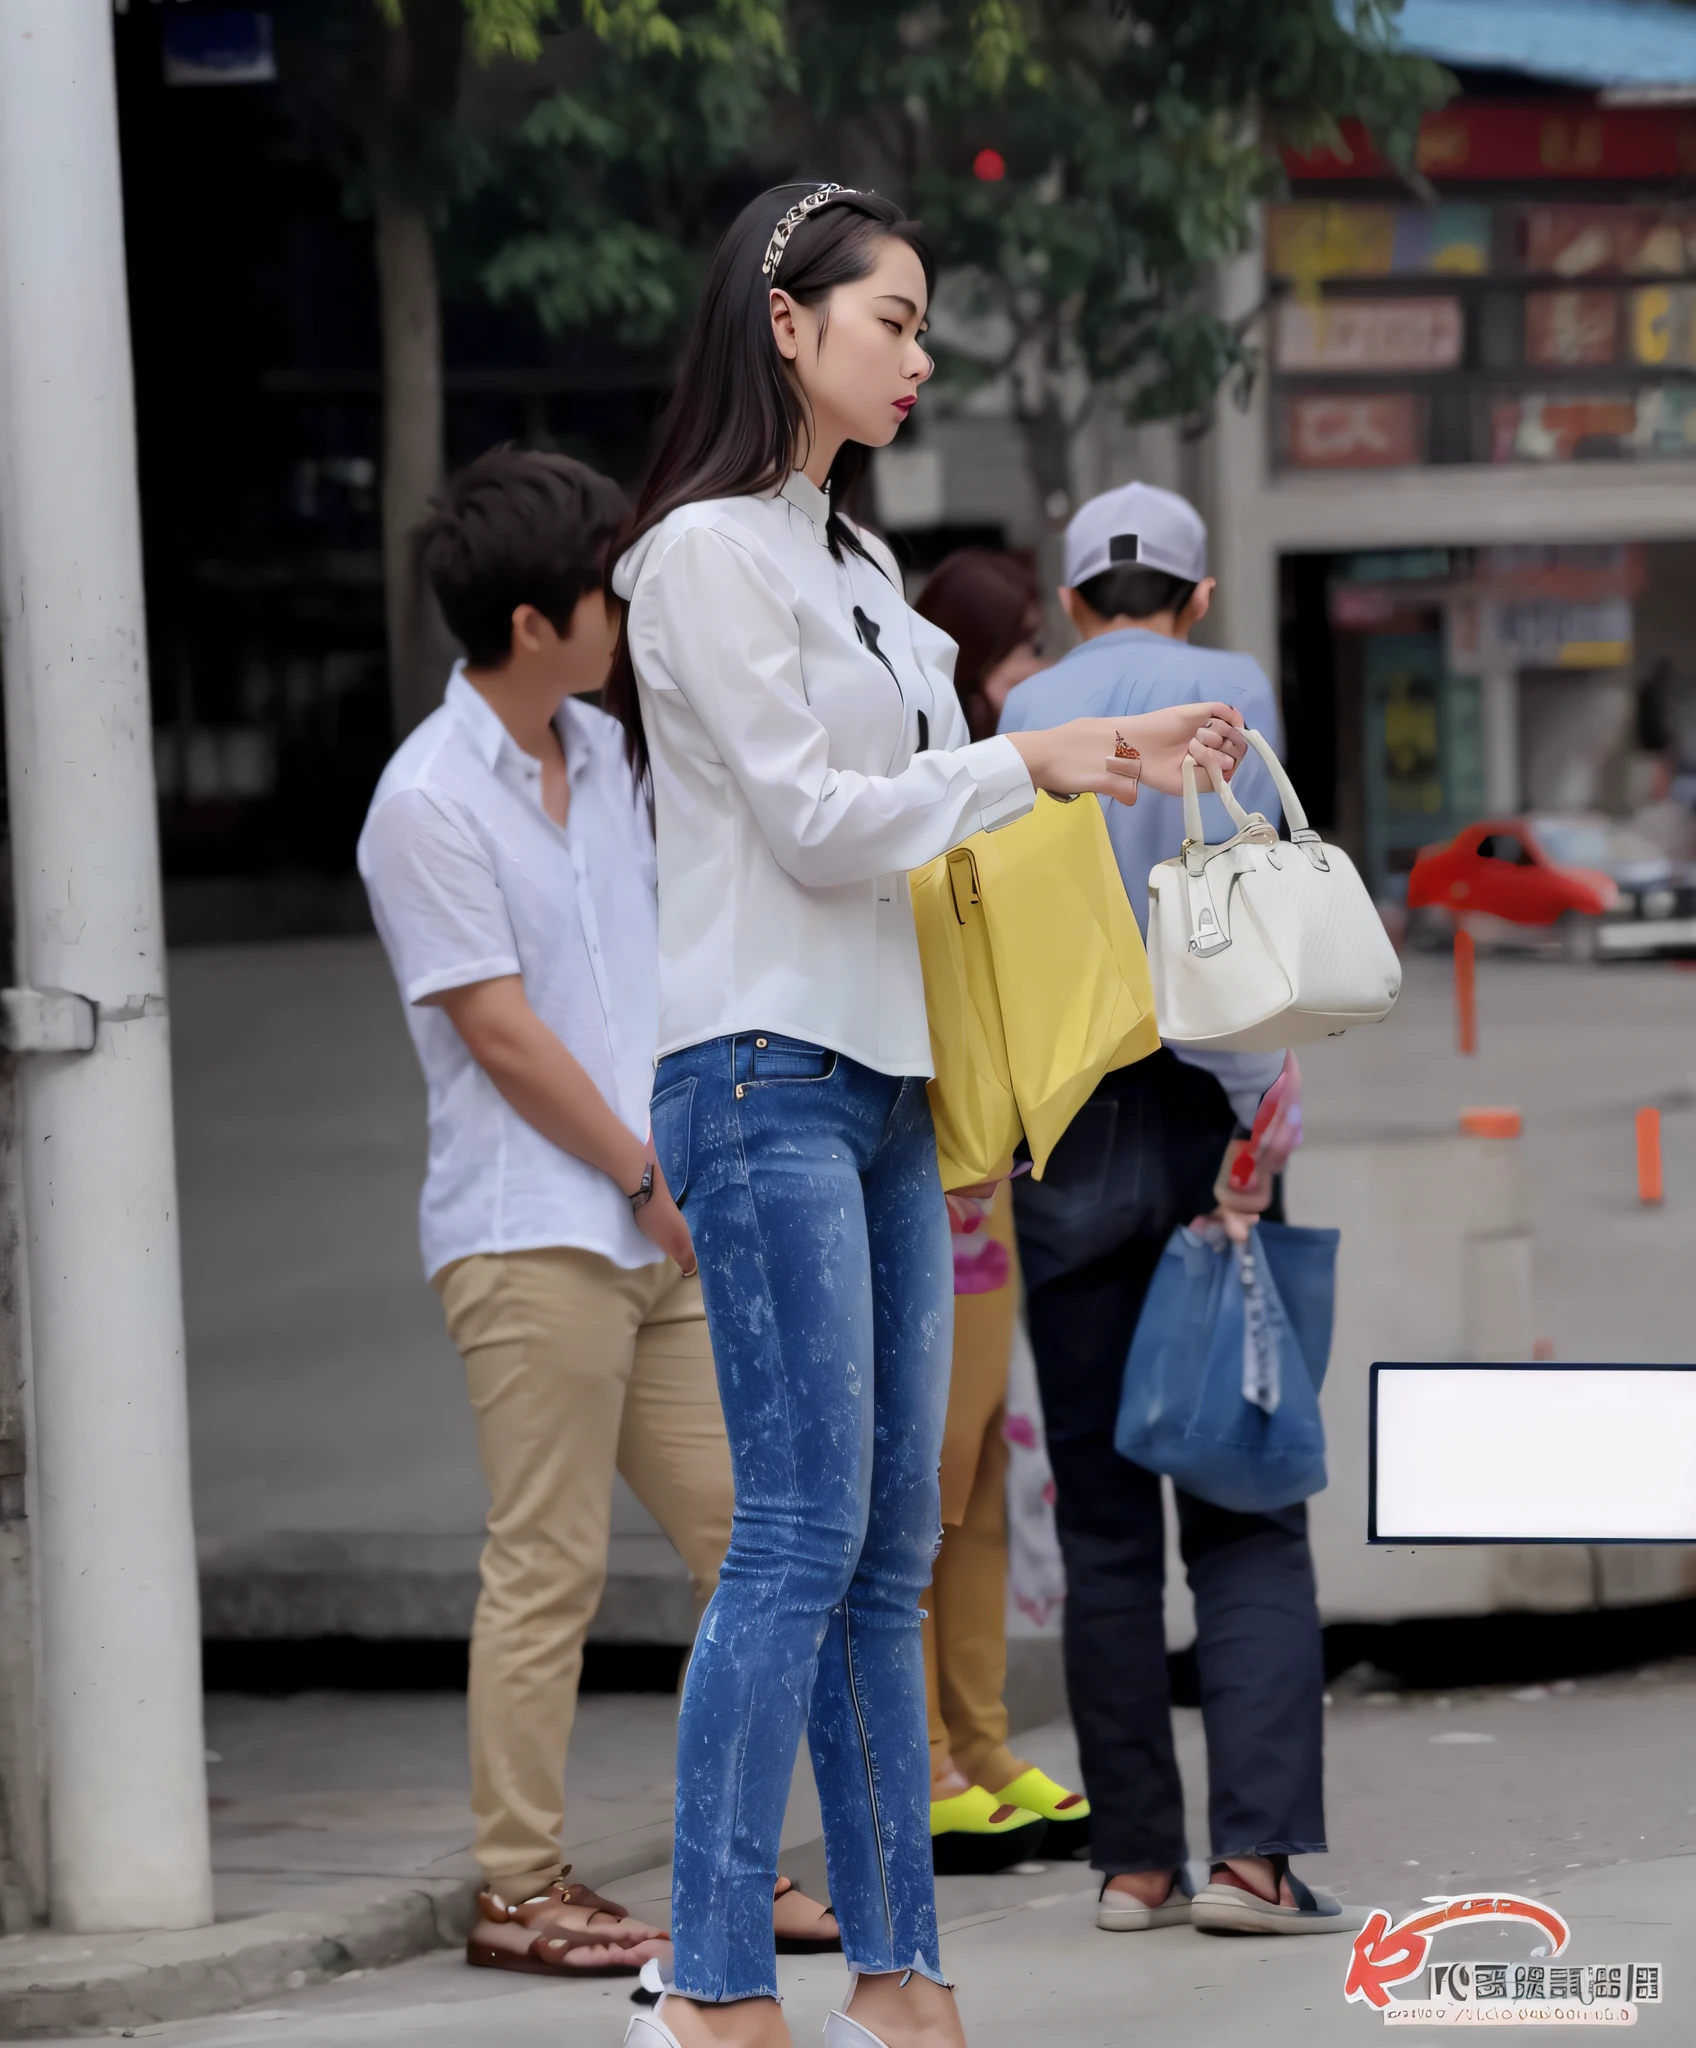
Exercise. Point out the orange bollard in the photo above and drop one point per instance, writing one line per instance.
(1466, 992)
(1648, 1155)
(1491, 1123)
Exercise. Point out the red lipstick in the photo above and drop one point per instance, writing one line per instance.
(905, 405)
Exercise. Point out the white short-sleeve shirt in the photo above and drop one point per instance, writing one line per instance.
(469, 879)
(808, 750)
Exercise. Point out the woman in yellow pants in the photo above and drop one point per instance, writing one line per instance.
(989, 1808)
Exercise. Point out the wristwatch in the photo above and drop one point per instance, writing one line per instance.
(645, 1193)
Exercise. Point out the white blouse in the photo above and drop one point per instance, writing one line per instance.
(808, 749)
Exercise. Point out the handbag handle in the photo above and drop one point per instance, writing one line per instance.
(1294, 815)
(963, 872)
(1194, 831)
(1301, 833)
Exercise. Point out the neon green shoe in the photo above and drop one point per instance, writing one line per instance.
(974, 1833)
(1067, 1813)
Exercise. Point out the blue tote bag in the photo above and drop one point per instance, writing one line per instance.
(1222, 1385)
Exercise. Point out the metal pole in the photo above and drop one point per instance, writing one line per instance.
(126, 1779)
(1466, 992)
(23, 1806)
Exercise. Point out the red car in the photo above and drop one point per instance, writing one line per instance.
(1496, 874)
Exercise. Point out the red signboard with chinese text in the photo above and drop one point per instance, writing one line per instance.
(1574, 575)
(1549, 427)
(1380, 431)
(1523, 140)
(1594, 241)
(1571, 327)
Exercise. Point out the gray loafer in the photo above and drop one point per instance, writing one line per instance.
(1223, 1908)
(1119, 1913)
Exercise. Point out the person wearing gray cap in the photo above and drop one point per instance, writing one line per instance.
(1147, 1153)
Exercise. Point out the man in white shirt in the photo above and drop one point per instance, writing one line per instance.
(509, 861)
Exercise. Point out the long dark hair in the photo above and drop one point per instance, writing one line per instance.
(736, 416)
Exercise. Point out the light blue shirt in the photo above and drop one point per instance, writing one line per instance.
(1120, 674)
(1117, 675)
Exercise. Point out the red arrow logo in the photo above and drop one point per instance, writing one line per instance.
(1384, 1954)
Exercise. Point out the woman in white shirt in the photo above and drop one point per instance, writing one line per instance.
(806, 750)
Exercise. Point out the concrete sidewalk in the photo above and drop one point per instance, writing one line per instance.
(331, 1812)
(340, 1833)
(337, 1491)
(1032, 1972)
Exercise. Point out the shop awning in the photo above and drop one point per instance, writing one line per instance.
(1642, 45)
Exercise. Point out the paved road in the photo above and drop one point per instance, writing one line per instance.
(326, 1400)
(1580, 1795)
(1578, 1050)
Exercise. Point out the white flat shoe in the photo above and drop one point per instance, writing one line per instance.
(648, 2030)
(842, 2032)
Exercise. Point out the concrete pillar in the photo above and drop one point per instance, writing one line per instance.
(1500, 694)
(1232, 478)
(23, 1854)
(126, 1781)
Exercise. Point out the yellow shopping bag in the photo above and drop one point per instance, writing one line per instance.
(1036, 984)
(971, 1099)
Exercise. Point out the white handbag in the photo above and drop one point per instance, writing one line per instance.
(1260, 943)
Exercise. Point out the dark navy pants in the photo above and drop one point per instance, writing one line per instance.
(1141, 1160)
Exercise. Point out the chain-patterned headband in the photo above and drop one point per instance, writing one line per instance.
(793, 219)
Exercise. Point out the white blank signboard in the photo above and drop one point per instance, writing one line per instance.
(1532, 1454)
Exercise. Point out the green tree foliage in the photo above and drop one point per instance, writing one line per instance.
(1137, 142)
(385, 89)
(1135, 139)
(607, 189)
(584, 195)
(515, 28)
(394, 71)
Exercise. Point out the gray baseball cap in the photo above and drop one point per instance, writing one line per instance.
(1136, 527)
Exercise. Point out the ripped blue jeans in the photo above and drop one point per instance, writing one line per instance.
(810, 1185)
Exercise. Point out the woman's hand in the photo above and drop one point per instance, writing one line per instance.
(1111, 756)
(1240, 1208)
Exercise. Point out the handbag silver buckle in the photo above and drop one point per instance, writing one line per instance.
(1207, 935)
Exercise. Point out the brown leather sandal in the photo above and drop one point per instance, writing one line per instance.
(538, 1910)
(548, 1954)
(804, 1944)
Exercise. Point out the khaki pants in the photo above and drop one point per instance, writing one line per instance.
(965, 1634)
(575, 1366)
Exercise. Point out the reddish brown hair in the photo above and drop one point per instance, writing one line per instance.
(983, 600)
